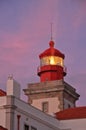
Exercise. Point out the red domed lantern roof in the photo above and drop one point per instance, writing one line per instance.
(51, 51)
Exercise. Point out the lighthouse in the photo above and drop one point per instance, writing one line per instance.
(52, 94)
(51, 64)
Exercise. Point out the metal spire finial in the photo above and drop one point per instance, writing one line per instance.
(51, 31)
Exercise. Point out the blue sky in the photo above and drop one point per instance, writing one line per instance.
(25, 33)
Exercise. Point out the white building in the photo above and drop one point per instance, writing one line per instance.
(16, 114)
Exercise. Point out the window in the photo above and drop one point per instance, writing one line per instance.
(45, 107)
(26, 127)
(33, 128)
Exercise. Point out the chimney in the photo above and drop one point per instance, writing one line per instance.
(13, 87)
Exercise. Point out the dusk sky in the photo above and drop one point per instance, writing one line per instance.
(25, 33)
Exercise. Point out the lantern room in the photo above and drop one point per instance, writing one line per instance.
(51, 64)
(51, 60)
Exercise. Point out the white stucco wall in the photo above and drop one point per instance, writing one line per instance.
(2, 117)
(2, 111)
(2, 101)
(33, 117)
(52, 102)
(74, 124)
